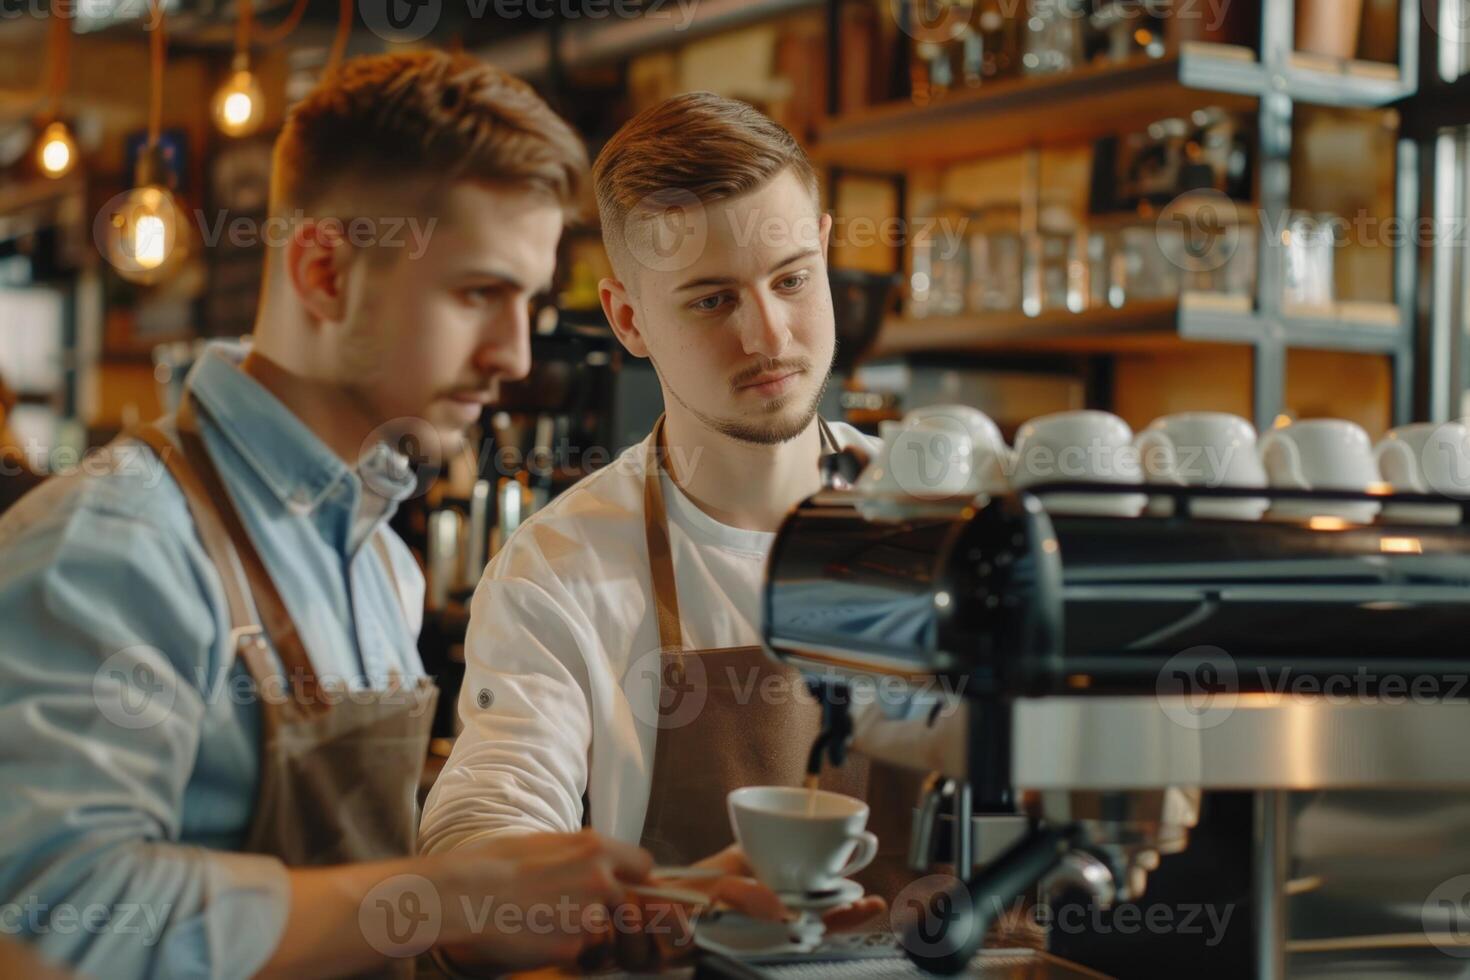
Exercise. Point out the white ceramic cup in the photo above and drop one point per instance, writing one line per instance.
(939, 453)
(1321, 454)
(796, 845)
(1426, 458)
(981, 428)
(1079, 447)
(1204, 449)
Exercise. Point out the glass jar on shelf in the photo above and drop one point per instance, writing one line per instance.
(1237, 278)
(951, 262)
(1310, 245)
(1149, 272)
(939, 265)
(996, 260)
(919, 301)
(1210, 239)
(1107, 270)
(937, 58)
(999, 28)
(1055, 280)
(1053, 36)
(1125, 29)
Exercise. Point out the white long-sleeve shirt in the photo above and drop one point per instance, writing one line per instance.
(561, 688)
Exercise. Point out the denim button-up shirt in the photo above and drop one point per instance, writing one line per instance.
(129, 739)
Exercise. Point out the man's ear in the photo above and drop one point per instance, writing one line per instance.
(824, 231)
(618, 308)
(317, 257)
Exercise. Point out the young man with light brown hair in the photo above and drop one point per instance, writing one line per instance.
(212, 706)
(615, 674)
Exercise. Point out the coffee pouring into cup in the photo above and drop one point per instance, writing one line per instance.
(800, 841)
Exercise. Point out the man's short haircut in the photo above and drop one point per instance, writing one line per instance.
(384, 123)
(700, 145)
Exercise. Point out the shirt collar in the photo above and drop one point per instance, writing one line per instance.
(388, 473)
(290, 459)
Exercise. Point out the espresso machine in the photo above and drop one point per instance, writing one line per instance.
(1114, 668)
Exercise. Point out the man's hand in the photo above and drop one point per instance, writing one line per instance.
(560, 886)
(667, 928)
(753, 898)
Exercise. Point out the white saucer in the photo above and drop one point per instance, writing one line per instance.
(844, 892)
(737, 936)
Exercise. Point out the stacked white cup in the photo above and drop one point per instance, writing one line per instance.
(950, 454)
(1204, 449)
(1079, 447)
(1321, 454)
(1426, 458)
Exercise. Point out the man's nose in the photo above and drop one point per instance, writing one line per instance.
(505, 351)
(766, 330)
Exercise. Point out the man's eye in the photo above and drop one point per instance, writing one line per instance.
(484, 294)
(792, 282)
(708, 304)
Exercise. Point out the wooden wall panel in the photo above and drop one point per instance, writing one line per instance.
(1210, 379)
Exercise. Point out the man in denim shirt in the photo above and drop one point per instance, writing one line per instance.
(425, 195)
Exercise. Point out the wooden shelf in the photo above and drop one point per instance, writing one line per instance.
(1140, 326)
(1153, 326)
(1012, 115)
(1095, 100)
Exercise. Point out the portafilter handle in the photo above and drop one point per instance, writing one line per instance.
(948, 932)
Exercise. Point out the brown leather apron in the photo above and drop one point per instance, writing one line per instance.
(753, 725)
(339, 769)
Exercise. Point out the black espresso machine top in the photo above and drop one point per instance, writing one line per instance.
(1017, 601)
(1007, 600)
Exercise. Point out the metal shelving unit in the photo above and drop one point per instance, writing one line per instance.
(1437, 118)
(1278, 79)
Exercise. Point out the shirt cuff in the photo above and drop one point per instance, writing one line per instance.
(249, 897)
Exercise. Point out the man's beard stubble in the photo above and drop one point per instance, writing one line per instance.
(771, 433)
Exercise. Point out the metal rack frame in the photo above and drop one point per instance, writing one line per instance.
(1280, 83)
(1436, 118)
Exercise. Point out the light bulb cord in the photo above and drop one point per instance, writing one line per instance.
(58, 56)
(242, 27)
(157, 52)
(344, 29)
(274, 35)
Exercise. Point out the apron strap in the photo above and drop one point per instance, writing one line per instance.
(829, 438)
(660, 552)
(269, 605)
(211, 530)
(656, 530)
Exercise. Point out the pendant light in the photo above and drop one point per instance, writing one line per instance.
(239, 105)
(144, 228)
(56, 149)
